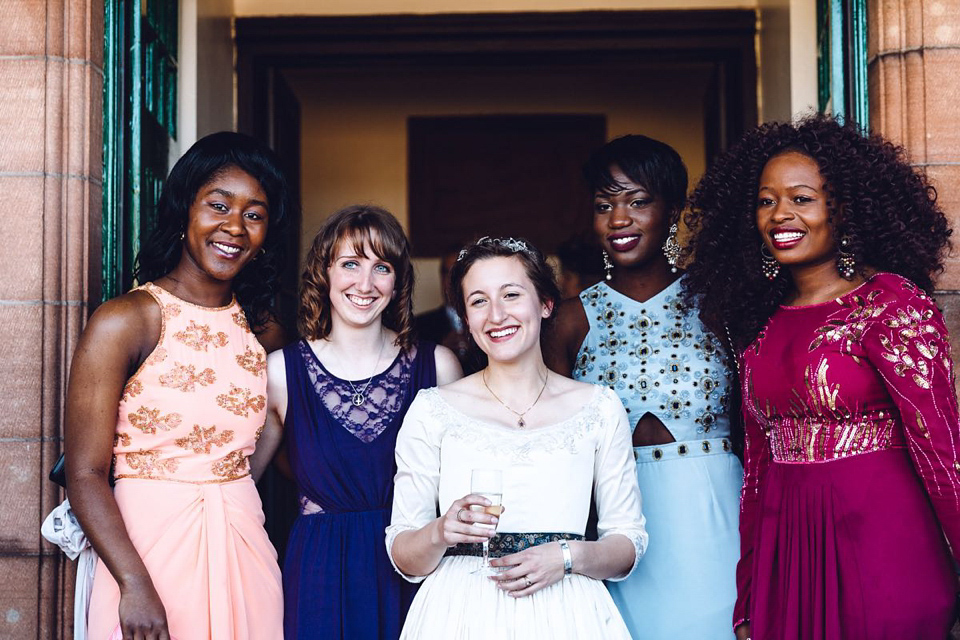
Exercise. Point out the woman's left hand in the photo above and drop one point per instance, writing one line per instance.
(530, 570)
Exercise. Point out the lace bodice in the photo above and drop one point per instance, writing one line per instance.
(549, 473)
(384, 394)
(658, 358)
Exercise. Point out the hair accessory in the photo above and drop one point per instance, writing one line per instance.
(768, 264)
(513, 244)
(520, 421)
(671, 248)
(846, 261)
(607, 265)
(567, 558)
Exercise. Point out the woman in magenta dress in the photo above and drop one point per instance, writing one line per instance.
(815, 246)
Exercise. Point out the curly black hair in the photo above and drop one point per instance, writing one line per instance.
(258, 282)
(889, 214)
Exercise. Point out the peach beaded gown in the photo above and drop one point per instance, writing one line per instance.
(188, 420)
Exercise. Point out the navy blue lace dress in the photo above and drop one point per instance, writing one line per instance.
(338, 582)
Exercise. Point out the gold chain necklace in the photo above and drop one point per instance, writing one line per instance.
(520, 422)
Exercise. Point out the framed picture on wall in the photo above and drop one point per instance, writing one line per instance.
(499, 175)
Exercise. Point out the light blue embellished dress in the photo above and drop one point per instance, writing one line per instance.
(659, 359)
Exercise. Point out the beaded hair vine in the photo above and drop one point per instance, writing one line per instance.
(514, 245)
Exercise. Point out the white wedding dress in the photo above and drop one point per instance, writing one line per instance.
(549, 474)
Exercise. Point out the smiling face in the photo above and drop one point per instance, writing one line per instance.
(631, 224)
(504, 311)
(226, 225)
(361, 284)
(793, 216)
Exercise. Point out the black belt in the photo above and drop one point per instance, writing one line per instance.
(503, 544)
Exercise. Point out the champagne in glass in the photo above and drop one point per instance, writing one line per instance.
(489, 484)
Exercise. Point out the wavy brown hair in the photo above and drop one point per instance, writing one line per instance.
(889, 214)
(363, 226)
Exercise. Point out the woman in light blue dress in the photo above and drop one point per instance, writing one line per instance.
(633, 334)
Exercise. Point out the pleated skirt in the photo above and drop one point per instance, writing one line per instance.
(453, 604)
(850, 550)
(208, 556)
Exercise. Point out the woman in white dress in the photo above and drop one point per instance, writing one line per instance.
(554, 441)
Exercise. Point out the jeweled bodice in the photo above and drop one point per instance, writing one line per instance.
(824, 380)
(194, 409)
(658, 358)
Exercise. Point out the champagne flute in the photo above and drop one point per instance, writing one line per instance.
(489, 484)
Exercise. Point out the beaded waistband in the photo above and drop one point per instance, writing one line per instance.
(131, 476)
(503, 544)
(685, 449)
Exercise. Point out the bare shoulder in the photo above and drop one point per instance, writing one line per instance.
(133, 318)
(448, 367)
(575, 389)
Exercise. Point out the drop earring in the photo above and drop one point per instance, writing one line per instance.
(607, 266)
(846, 260)
(768, 264)
(671, 248)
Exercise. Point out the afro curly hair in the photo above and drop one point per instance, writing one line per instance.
(889, 214)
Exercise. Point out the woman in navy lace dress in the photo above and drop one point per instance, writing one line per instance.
(341, 393)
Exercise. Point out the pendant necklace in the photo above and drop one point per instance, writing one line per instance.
(520, 421)
(360, 395)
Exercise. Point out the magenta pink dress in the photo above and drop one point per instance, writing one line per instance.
(188, 420)
(852, 474)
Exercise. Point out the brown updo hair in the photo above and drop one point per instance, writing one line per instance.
(534, 263)
(363, 226)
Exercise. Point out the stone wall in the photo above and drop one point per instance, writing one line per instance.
(51, 80)
(914, 76)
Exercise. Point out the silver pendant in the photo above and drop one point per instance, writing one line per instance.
(358, 399)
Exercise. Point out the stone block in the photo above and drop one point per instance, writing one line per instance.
(941, 23)
(941, 96)
(22, 258)
(18, 595)
(20, 477)
(23, 29)
(21, 369)
(22, 120)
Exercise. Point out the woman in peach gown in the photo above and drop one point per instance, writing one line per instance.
(168, 383)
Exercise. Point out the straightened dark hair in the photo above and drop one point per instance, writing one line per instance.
(256, 285)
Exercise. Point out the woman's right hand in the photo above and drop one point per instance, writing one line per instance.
(142, 616)
(459, 523)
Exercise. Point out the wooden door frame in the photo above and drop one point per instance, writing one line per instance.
(723, 38)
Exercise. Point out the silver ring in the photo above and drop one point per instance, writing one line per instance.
(459, 519)
(528, 581)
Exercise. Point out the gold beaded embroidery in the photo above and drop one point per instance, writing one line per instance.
(149, 420)
(253, 361)
(232, 466)
(185, 378)
(159, 355)
(240, 319)
(240, 401)
(199, 337)
(121, 439)
(201, 439)
(149, 464)
(170, 310)
(133, 388)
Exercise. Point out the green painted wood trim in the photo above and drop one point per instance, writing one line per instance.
(134, 129)
(112, 214)
(837, 79)
(860, 98)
